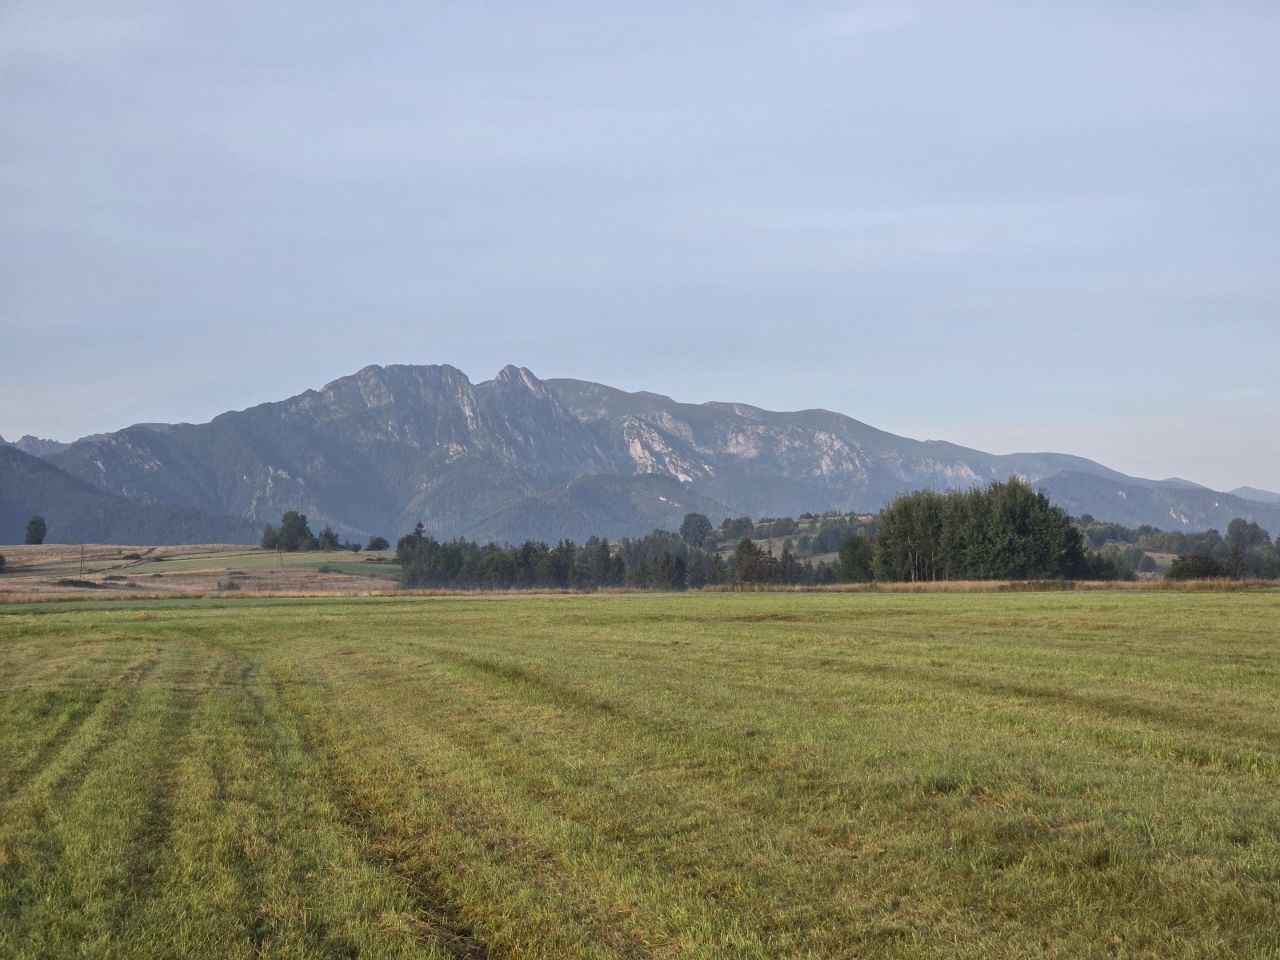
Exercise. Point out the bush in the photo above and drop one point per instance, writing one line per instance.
(378, 543)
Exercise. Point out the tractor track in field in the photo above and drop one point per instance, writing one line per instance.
(153, 831)
(436, 919)
(81, 716)
(439, 920)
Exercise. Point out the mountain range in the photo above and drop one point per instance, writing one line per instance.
(517, 457)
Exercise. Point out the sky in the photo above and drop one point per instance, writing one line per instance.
(1015, 225)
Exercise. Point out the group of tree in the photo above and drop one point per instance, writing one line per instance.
(1005, 531)
(294, 535)
(1246, 552)
(807, 536)
(659, 561)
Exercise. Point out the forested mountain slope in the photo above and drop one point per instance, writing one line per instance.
(78, 512)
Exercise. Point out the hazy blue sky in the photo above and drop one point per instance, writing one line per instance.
(1014, 225)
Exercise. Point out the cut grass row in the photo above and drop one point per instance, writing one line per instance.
(746, 775)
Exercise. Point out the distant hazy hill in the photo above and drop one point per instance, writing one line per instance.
(516, 456)
(1256, 495)
(78, 512)
(1158, 504)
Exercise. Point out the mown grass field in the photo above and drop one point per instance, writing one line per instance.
(716, 775)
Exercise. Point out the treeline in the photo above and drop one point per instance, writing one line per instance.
(1005, 531)
(808, 535)
(294, 536)
(659, 561)
(1245, 552)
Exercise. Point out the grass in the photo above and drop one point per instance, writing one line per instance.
(253, 560)
(143, 561)
(717, 775)
(53, 571)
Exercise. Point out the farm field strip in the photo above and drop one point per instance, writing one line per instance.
(248, 560)
(52, 572)
(743, 775)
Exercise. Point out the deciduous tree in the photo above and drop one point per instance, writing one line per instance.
(694, 529)
(36, 530)
(857, 560)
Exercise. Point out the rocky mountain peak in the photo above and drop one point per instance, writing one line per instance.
(39, 446)
(520, 378)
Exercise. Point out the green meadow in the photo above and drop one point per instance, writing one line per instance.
(756, 775)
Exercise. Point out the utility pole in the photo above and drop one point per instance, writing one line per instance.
(82, 559)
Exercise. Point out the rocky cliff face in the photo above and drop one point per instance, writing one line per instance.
(373, 452)
(763, 462)
(36, 446)
(379, 450)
